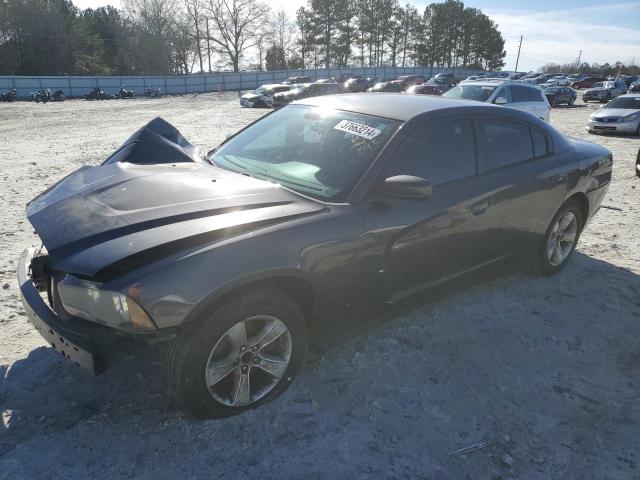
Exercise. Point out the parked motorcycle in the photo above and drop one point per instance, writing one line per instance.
(124, 93)
(9, 96)
(43, 95)
(152, 92)
(58, 96)
(96, 94)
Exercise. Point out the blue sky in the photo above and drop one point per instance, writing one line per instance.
(553, 30)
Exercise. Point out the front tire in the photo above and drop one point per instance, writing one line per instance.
(239, 356)
(560, 240)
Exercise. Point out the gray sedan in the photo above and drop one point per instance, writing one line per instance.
(620, 115)
(319, 219)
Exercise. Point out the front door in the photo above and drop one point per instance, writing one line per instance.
(423, 242)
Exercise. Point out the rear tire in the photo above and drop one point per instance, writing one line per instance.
(560, 240)
(207, 368)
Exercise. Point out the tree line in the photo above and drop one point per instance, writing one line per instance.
(158, 37)
(602, 70)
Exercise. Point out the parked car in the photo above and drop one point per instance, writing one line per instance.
(386, 87)
(444, 79)
(428, 89)
(559, 95)
(263, 96)
(300, 229)
(406, 81)
(297, 80)
(605, 91)
(634, 87)
(96, 94)
(508, 93)
(305, 91)
(620, 115)
(9, 96)
(587, 82)
(358, 84)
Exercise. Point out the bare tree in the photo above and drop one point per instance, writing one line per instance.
(282, 31)
(195, 12)
(237, 23)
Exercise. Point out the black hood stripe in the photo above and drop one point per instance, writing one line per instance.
(151, 255)
(59, 253)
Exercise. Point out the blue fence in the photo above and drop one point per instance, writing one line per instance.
(77, 86)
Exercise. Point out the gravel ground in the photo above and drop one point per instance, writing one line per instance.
(545, 371)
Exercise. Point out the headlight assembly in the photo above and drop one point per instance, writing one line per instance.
(632, 117)
(85, 300)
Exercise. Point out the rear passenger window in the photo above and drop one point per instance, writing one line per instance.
(535, 95)
(520, 94)
(505, 143)
(539, 143)
(440, 152)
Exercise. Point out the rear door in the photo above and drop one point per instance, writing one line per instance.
(426, 241)
(528, 182)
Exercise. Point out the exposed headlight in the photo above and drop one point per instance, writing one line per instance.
(630, 118)
(115, 309)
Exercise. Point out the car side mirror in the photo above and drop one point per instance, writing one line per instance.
(406, 186)
(500, 101)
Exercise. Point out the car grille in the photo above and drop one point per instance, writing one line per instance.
(599, 127)
(606, 119)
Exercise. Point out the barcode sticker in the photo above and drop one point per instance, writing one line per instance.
(359, 129)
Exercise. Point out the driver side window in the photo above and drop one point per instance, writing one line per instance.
(440, 152)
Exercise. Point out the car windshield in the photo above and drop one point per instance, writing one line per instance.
(471, 92)
(631, 103)
(312, 150)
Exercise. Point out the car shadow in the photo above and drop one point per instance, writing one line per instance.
(501, 361)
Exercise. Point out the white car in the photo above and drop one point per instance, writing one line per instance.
(509, 93)
(620, 115)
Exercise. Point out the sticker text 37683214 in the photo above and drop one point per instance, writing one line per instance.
(359, 129)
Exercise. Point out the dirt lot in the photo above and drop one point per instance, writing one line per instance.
(546, 371)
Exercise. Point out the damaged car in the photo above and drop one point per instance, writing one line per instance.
(263, 96)
(310, 224)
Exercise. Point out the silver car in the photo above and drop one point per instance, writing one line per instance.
(605, 91)
(622, 114)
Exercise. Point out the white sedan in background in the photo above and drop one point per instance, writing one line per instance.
(620, 115)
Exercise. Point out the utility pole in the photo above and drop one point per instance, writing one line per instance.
(578, 61)
(518, 58)
(208, 46)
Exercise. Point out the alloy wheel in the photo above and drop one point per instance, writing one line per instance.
(248, 361)
(562, 238)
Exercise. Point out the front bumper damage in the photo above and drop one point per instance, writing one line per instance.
(71, 337)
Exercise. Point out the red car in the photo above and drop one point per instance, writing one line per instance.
(428, 89)
(587, 82)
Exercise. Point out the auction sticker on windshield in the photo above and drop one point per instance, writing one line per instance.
(359, 129)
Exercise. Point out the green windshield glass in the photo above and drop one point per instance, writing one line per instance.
(315, 151)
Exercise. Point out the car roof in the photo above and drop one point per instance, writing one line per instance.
(396, 106)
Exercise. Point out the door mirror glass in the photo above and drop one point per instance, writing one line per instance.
(500, 101)
(406, 186)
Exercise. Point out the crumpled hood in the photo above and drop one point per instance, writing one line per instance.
(101, 216)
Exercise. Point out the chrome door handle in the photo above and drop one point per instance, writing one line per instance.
(557, 179)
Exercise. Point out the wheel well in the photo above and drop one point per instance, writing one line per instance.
(583, 201)
(300, 290)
